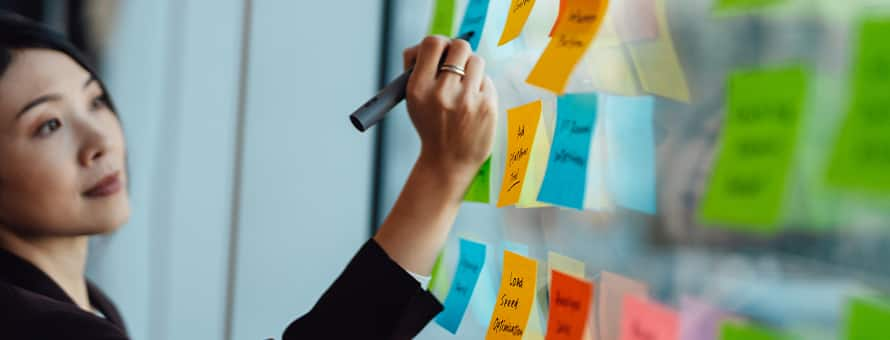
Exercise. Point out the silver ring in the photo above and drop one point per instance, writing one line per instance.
(453, 69)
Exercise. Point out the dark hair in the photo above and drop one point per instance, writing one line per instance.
(18, 32)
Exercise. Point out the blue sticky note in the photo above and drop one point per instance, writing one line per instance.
(472, 259)
(474, 21)
(566, 176)
(631, 150)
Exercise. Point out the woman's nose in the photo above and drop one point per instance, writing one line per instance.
(95, 144)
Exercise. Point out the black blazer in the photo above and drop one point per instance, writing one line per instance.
(374, 298)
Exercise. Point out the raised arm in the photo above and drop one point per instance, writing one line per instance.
(455, 119)
(375, 297)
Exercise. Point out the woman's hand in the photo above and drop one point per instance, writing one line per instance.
(454, 116)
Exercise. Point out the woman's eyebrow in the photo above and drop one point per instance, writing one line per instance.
(38, 101)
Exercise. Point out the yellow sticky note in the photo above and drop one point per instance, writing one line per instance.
(537, 165)
(657, 63)
(516, 18)
(570, 40)
(522, 126)
(514, 299)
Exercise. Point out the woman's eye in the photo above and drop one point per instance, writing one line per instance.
(98, 103)
(48, 127)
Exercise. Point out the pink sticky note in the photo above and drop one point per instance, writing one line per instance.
(642, 319)
(700, 320)
(613, 289)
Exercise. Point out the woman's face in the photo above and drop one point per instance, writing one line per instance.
(62, 150)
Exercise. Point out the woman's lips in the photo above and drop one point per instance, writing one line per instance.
(108, 186)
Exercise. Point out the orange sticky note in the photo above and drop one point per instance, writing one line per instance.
(522, 126)
(562, 9)
(570, 299)
(516, 18)
(514, 299)
(613, 288)
(571, 38)
(646, 320)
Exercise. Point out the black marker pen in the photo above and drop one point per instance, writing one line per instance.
(377, 107)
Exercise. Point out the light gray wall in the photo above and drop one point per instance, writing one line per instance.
(306, 183)
(174, 69)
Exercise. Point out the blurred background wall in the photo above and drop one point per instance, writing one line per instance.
(241, 216)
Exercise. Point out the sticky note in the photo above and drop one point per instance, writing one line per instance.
(867, 319)
(570, 40)
(612, 290)
(643, 319)
(472, 259)
(438, 282)
(637, 20)
(474, 21)
(630, 135)
(596, 197)
(610, 71)
(860, 160)
(570, 299)
(537, 166)
(516, 18)
(562, 9)
(514, 299)
(739, 331)
(657, 63)
(563, 264)
(699, 320)
(744, 5)
(566, 176)
(484, 300)
(747, 184)
(443, 18)
(522, 126)
(480, 188)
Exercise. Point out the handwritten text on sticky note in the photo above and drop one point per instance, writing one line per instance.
(747, 186)
(522, 126)
(570, 299)
(571, 38)
(516, 18)
(514, 299)
(565, 178)
(472, 258)
(860, 160)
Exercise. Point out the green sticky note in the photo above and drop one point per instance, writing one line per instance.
(737, 331)
(868, 319)
(745, 5)
(860, 160)
(480, 188)
(443, 18)
(439, 282)
(747, 186)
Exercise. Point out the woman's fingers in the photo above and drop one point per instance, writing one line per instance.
(428, 57)
(475, 74)
(459, 52)
(409, 56)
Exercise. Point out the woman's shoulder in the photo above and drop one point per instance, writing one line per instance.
(29, 315)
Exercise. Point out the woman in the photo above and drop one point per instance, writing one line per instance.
(63, 178)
